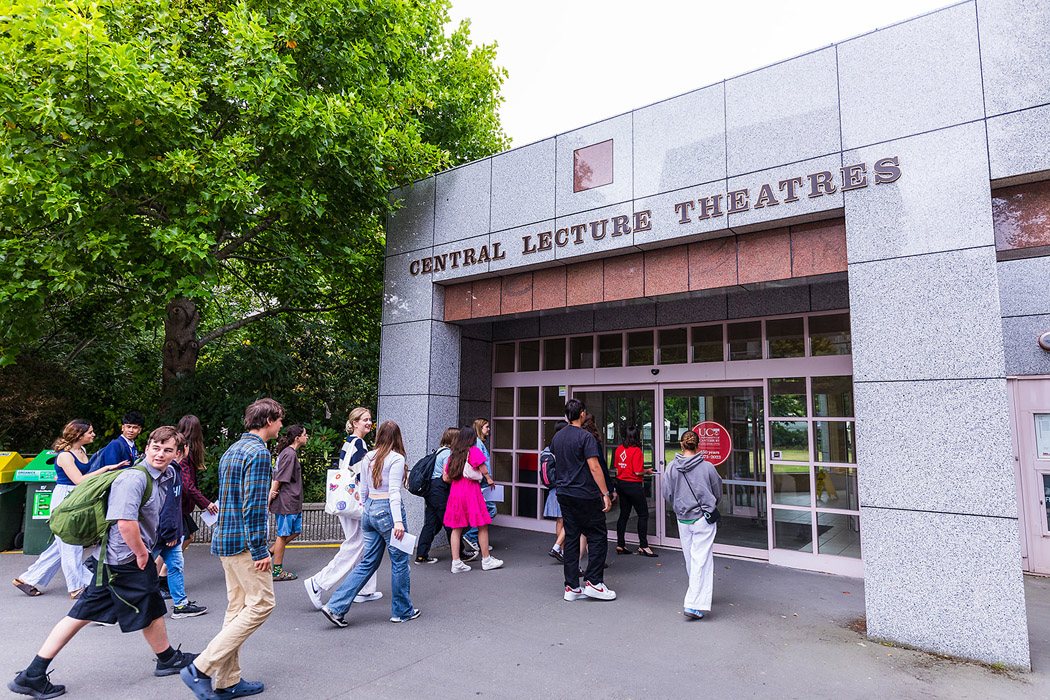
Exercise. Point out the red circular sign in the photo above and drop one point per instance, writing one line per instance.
(715, 442)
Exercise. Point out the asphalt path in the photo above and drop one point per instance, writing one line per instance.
(773, 633)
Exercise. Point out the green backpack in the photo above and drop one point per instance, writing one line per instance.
(81, 518)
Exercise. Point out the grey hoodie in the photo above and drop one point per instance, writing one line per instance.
(703, 479)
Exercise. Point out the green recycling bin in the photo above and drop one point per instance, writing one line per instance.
(39, 478)
(12, 499)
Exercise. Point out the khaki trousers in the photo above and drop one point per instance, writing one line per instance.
(250, 593)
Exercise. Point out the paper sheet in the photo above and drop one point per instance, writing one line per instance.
(406, 543)
(209, 519)
(494, 494)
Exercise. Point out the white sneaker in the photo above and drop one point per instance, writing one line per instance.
(599, 591)
(313, 592)
(574, 593)
(458, 567)
(365, 597)
(489, 563)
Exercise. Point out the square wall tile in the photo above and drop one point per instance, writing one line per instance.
(516, 328)
(567, 323)
(411, 227)
(666, 271)
(524, 247)
(910, 78)
(709, 307)
(1021, 346)
(445, 343)
(523, 185)
(411, 415)
(926, 317)
(487, 296)
(619, 131)
(769, 301)
(783, 113)
(475, 376)
(680, 142)
(941, 201)
(764, 257)
(548, 288)
(1024, 286)
(1019, 143)
(517, 294)
(785, 194)
(639, 314)
(459, 298)
(624, 277)
(404, 358)
(829, 296)
(463, 201)
(1015, 41)
(713, 264)
(818, 248)
(584, 283)
(596, 233)
(406, 297)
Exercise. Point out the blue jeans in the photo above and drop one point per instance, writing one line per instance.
(377, 525)
(472, 533)
(173, 558)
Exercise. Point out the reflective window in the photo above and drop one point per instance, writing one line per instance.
(528, 462)
(529, 401)
(838, 534)
(833, 397)
(502, 466)
(528, 435)
(554, 353)
(504, 357)
(673, 346)
(502, 434)
(610, 350)
(745, 341)
(830, 335)
(786, 337)
(640, 349)
(791, 484)
(837, 488)
(793, 529)
(553, 400)
(708, 345)
(504, 402)
(581, 352)
(834, 441)
(789, 440)
(529, 356)
(787, 397)
(527, 502)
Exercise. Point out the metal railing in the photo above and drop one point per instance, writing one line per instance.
(318, 526)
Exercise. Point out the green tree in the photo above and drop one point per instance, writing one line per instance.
(212, 164)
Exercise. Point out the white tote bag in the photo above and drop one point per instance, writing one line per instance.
(341, 493)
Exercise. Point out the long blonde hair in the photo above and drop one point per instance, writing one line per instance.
(480, 423)
(388, 439)
(73, 431)
(356, 415)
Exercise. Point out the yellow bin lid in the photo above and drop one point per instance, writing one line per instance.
(10, 462)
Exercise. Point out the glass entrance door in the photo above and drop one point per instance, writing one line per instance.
(739, 410)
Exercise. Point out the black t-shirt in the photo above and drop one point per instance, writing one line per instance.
(572, 447)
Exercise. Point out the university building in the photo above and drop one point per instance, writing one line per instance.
(835, 266)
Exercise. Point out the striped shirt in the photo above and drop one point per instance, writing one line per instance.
(244, 484)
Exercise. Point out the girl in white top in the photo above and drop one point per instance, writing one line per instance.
(382, 479)
(352, 551)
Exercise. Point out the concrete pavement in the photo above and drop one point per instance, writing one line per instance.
(773, 633)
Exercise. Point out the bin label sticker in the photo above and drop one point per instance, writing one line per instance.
(42, 505)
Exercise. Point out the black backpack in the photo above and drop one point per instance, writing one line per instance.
(419, 477)
(547, 467)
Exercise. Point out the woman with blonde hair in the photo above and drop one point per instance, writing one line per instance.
(692, 487)
(71, 467)
(352, 550)
(382, 479)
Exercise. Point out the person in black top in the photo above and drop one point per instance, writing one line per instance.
(584, 499)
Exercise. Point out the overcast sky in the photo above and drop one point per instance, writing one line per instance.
(573, 62)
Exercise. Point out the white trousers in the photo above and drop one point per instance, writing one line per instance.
(350, 554)
(59, 555)
(697, 541)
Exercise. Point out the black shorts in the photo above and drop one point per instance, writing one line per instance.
(131, 598)
(189, 526)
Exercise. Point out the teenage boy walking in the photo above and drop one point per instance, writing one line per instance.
(130, 594)
(240, 542)
(584, 499)
(123, 447)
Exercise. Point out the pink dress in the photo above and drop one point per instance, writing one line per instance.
(466, 506)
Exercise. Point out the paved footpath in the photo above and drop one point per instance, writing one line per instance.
(774, 633)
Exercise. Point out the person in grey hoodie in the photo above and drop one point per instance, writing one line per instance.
(692, 487)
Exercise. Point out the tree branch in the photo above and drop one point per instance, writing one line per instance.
(236, 243)
(223, 330)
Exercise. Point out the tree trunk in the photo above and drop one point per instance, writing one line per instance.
(181, 346)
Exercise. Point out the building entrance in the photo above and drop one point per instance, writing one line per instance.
(1031, 421)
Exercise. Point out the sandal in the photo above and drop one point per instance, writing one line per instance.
(650, 553)
(21, 585)
(285, 576)
(75, 595)
(623, 550)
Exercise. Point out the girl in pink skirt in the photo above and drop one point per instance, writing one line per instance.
(466, 506)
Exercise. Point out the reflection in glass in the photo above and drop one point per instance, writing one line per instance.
(526, 501)
(581, 352)
(548, 430)
(529, 356)
(504, 402)
(743, 522)
(833, 397)
(786, 337)
(639, 348)
(1046, 499)
(834, 441)
(554, 353)
(738, 409)
(793, 529)
(527, 464)
(707, 344)
(504, 507)
(791, 484)
(838, 535)
(830, 335)
(504, 357)
(789, 440)
(787, 397)
(610, 350)
(837, 488)
(502, 466)
(528, 435)
(529, 401)
(502, 434)
(745, 341)
(553, 400)
(673, 349)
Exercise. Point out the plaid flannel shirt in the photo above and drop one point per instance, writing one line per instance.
(244, 485)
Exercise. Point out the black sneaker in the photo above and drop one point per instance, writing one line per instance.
(469, 555)
(165, 593)
(336, 620)
(188, 610)
(36, 686)
(176, 663)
